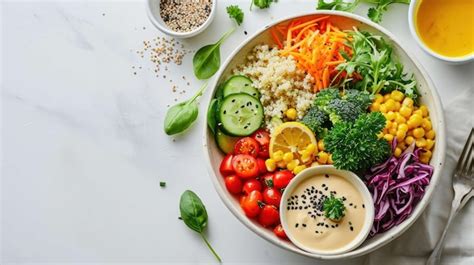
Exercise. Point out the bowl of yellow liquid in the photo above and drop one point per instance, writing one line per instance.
(444, 28)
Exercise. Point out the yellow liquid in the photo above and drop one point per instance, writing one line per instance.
(446, 26)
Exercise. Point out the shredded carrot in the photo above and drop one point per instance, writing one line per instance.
(316, 45)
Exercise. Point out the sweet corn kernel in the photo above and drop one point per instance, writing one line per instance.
(400, 135)
(306, 158)
(378, 98)
(388, 137)
(424, 160)
(427, 153)
(420, 142)
(410, 133)
(424, 110)
(375, 106)
(390, 104)
(287, 157)
(426, 124)
(390, 116)
(394, 125)
(292, 164)
(430, 134)
(419, 112)
(418, 133)
(409, 140)
(380, 135)
(388, 124)
(311, 148)
(398, 105)
(321, 145)
(397, 95)
(414, 121)
(429, 144)
(383, 108)
(403, 127)
(402, 145)
(277, 156)
(405, 111)
(392, 131)
(291, 114)
(314, 164)
(386, 97)
(397, 152)
(330, 159)
(270, 164)
(281, 164)
(400, 119)
(298, 169)
(408, 102)
(323, 157)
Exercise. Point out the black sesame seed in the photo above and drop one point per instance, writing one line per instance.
(363, 206)
(326, 175)
(288, 208)
(327, 226)
(352, 228)
(304, 225)
(296, 225)
(225, 111)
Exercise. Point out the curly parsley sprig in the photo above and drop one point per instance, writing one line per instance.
(235, 13)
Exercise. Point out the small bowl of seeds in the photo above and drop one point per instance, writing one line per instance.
(181, 18)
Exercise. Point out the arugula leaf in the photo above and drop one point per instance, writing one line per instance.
(236, 13)
(372, 60)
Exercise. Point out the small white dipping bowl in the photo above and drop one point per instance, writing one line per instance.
(412, 24)
(355, 181)
(153, 10)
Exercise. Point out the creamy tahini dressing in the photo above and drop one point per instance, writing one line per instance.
(305, 216)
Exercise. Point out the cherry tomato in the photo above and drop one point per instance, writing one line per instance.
(251, 185)
(269, 216)
(245, 166)
(247, 146)
(262, 168)
(279, 232)
(233, 184)
(267, 180)
(250, 203)
(272, 196)
(226, 165)
(263, 138)
(282, 178)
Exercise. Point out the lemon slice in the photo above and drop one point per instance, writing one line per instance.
(291, 137)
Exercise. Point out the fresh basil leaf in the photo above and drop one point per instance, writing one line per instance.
(182, 115)
(207, 59)
(193, 211)
(194, 215)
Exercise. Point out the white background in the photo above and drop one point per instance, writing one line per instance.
(84, 149)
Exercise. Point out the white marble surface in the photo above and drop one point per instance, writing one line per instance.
(83, 149)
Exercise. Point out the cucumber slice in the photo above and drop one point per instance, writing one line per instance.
(225, 142)
(240, 84)
(240, 114)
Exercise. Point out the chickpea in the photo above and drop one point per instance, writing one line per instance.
(386, 97)
(291, 114)
(420, 142)
(375, 107)
(278, 156)
(390, 115)
(400, 119)
(397, 95)
(405, 111)
(403, 127)
(419, 112)
(298, 169)
(400, 135)
(292, 164)
(430, 134)
(388, 137)
(424, 110)
(392, 131)
(426, 124)
(288, 157)
(398, 105)
(429, 144)
(379, 98)
(383, 108)
(390, 104)
(409, 140)
(397, 152)
(418, 133)
(414, 121)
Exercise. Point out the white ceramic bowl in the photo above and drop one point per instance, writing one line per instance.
(411, 23)
(355, 181)
(430, 98)
(153, 11)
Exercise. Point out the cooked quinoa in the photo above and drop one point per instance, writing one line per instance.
(281, 84)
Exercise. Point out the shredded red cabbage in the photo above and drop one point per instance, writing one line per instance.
(397, 185)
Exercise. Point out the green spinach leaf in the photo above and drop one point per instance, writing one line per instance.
(207, 60)
(211, 115)
(194, 215)
(182, 115)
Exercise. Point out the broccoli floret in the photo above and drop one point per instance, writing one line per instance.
(343, 110)
(362, 99)
(317, 120)
(325, 96)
